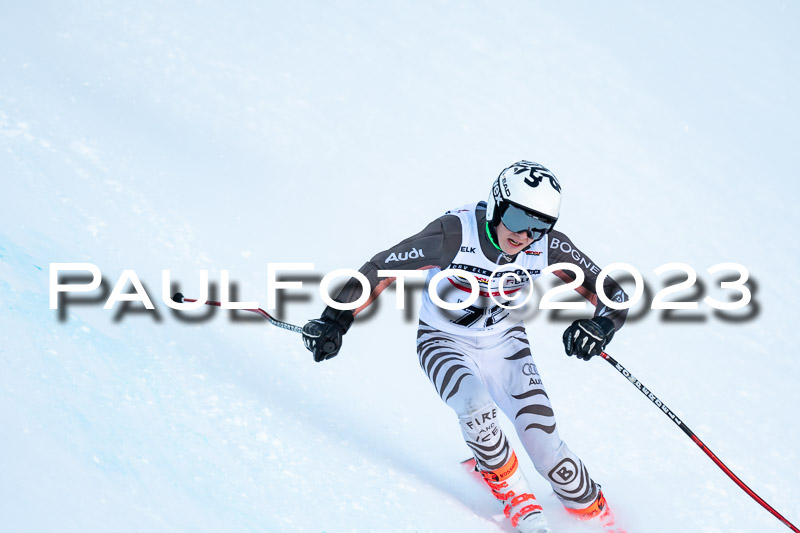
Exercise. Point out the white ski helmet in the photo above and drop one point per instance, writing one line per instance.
(526, 197)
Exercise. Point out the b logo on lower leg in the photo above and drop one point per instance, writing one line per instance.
(564, 472)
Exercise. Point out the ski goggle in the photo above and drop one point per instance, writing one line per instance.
(517, 220)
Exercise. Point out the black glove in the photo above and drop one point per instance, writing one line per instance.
(323, 336)
(588, 337)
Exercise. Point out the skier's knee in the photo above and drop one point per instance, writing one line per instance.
(478, 412)
(470, 403)
(545, 458)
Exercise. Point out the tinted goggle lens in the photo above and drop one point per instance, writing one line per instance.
(516, 220)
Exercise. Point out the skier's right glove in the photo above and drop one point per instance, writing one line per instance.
(323, 335)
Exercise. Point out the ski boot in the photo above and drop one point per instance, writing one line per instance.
(599, 513)
(509, 485)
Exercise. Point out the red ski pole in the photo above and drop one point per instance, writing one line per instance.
(667, 411)
(178, 297)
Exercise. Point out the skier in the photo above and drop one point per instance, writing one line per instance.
(479, 358)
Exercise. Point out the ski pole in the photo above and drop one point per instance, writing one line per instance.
(667, 411)
(178, 297)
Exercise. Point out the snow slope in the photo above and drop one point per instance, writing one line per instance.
(199, 136)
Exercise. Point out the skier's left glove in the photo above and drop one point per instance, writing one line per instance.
(588, 337)
(323, 335)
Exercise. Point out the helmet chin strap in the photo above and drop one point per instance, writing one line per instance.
(491, 238)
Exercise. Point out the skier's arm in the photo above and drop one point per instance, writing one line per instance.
(562, 250)
(586, 338)
(434, 246)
